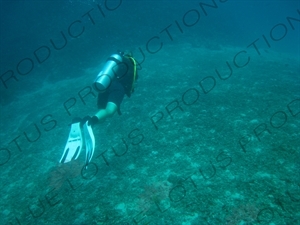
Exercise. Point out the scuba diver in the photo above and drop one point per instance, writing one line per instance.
(115, 80)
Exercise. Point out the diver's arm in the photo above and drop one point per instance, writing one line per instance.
(109, 111)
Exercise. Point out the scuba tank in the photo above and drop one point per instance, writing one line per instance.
(110, 70)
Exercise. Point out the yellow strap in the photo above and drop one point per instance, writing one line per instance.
(134, 71)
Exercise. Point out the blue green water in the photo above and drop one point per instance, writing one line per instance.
(210, 136)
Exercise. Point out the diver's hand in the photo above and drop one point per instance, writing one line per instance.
(92, 121)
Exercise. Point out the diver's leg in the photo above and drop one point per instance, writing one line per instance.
(109, 111)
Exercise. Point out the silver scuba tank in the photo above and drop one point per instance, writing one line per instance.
(108, 73)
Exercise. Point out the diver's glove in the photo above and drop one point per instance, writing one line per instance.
(91, 120)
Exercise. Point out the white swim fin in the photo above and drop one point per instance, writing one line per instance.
(89, 139)
(74, 144)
